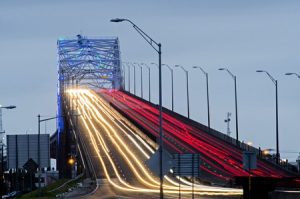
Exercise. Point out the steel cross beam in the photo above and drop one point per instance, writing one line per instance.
(91, 61)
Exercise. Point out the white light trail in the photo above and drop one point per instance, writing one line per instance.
(91, 106)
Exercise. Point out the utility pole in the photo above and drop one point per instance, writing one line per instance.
(39, 152)
(2, 132)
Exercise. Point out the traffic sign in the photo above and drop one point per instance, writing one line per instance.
(249, 160)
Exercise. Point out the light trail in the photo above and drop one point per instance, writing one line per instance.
(147, 156)
(132, 188)
(138, 112)
(152, 151)
(96, 149)
(141, 108)
(176, 188)
(219, 154)
(90, 112)
(108, 128)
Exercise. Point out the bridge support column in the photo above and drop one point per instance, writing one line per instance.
(260, 186)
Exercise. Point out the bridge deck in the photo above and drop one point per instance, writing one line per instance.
(220, 159)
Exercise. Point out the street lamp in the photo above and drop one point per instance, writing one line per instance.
(133, 65)
(172, 84)
(39, 133)
(277, 133)
(296, 74)
(207, 95)
(4, 107)
(157, 47)
(127, 64)
(2, 169)
(149, 79)
(124, 78)
(39, 147)
(187, 89)
(141, 69)
(2, 147)
(236, 107)
(123, 75)
(156, 65)
(267, 151)
(8, 107)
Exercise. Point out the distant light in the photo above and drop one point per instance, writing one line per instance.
(266, 152)
(250, 143)
(71, 161)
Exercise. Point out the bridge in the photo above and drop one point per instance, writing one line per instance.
(113, 134)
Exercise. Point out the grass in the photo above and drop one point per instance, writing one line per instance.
(45, 194)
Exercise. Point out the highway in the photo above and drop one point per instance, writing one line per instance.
(118, 151)
(221, 161)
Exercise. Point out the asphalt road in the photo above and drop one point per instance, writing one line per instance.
(118, 151)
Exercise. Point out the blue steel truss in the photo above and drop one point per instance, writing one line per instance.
(92, 62)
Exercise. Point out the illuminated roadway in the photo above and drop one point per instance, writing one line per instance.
(118, 152)
(221, 161)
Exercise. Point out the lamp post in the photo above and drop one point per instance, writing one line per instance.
(134, 86)
(207, 95)
(2, 147)
(141, 69)
(2, 169)
(39, 146)
(156, 65)
(39, 133)
(157, 47)
(128, 77)
(236, 106)
(124, 78)
(4, 107)
(187, 88)
(172, 84)
(276, 96)
(128, 66)
(149, 79)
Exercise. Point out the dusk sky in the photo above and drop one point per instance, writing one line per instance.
(243, 36)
